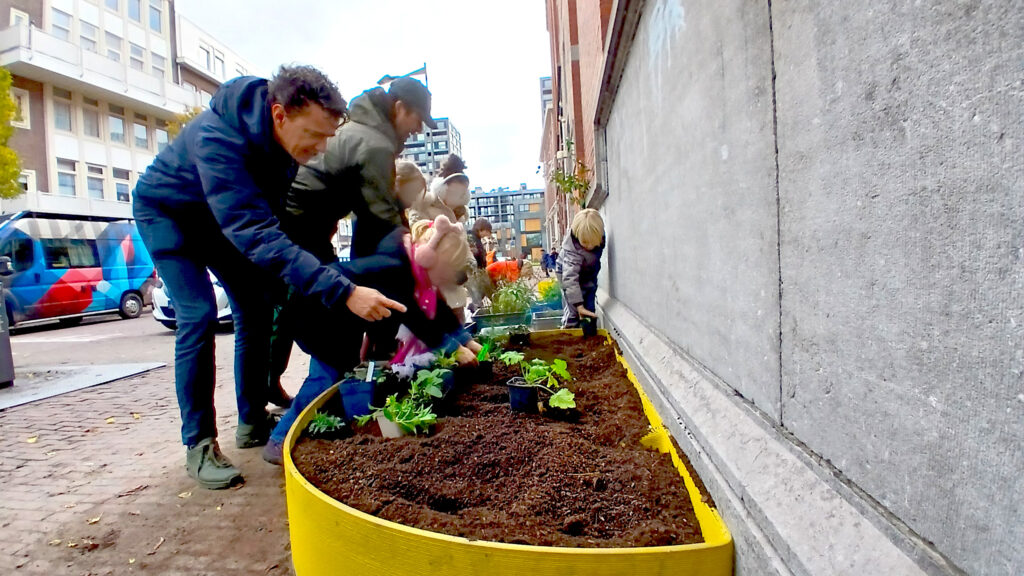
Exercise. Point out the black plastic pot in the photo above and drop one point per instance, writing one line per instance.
(522, 397)
(485, 370)
(519, 339)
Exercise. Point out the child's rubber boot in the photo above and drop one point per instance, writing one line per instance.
(205, 464)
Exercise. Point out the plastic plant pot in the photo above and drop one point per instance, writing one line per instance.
(484, 319)
(547, 320)
(356, 397)
(521, 396)
(389, 429)
(519, 338)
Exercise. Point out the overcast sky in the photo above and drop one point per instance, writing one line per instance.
(484, 59)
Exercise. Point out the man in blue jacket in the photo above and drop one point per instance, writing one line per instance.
(208, 201)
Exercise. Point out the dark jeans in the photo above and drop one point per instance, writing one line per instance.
(571, 318)
(321, 377)
(183, 250)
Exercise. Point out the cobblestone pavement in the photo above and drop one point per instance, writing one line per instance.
(93, 481)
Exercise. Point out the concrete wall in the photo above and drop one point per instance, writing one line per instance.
(901, 154)
(892, 364)
(692, 208)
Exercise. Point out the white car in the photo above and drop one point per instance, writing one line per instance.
(163, 305)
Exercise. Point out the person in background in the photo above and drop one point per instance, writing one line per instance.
(209, 201)
(580, 264)
(545, 259)
(479, 283)
(553, 261)
(409, 267)
(504, 270)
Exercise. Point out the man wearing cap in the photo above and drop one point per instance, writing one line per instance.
(356, 174)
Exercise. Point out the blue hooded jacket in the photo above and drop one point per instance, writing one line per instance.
(226, 174)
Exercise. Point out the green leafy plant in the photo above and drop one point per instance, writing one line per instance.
(549, 292)
(322, 423)
(447, 360)
(573, 184)
(512, 298)
(427, 385)
(410, 414)
(10, 164)
(544, 376)
(359, 373)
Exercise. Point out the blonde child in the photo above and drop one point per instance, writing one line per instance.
(578, 265)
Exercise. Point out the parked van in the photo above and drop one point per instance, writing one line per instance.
(67, 267)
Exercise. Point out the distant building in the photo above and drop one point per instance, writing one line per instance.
(516, 217)
(96, 84)
(430, 148)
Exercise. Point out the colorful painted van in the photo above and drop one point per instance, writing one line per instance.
(67, 267)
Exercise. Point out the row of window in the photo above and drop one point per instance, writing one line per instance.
(95, 180)
(58, 253)
(91, 119)
(112, 44)
(154, 16)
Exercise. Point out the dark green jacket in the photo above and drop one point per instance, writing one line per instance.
(356, 174)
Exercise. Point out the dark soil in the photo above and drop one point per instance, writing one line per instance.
(487, 473)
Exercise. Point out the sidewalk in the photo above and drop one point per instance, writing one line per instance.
(93, 483)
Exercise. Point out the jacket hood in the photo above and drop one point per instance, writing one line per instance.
(373, 109)
(242, 104)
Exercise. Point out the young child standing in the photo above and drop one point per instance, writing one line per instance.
(578, 265)
(409, 268)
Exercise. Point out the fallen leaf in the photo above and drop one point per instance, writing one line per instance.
(131, 560)
(51, 453)
(184, 495)
(157, 547)
(134, 513)
(94, 520)
(110, 420)
(136, 415)
(32, 439)
(70, 505)
(72, 545)
(54, 542)
(218, 507)
(133, 491)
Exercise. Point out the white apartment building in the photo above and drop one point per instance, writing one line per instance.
(96, 82)
(430, 148)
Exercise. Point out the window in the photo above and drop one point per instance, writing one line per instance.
(121, 184)
(239, 71)
(20, 118)
(218, 66)
(61, 25)
(90, 36)
(27, 181)
(189, 86)
(94, 181)
(62, 110)
(205, 58)
(66, 177)
(19, 250)
(141, 136)
(115, 123)
(64, 253)
(155, 16)
(19, 18)
(114, 47)
(135, 10)
(161, 139)
(158, 65)
(114, 5)
(91, 122)
(136, 56)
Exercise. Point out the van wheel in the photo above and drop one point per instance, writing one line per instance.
(131, 306)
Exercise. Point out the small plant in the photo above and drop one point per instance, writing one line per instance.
(447, 360)
(410, 414)
(359, 373)
(512, 298)
(573, 184)
(427, 384)
(323, 423)
(544, 376)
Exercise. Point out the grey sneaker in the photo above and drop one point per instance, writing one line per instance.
(253, 435)
(273, 452)
(205, 464)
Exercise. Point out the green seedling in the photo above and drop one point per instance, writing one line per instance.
(544, 376)
(322, 423)
(410, 414)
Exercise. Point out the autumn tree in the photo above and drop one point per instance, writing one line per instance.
(179, 121)
(10, 164)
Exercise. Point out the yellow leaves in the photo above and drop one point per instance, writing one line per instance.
(185, 495)
(32, 439)
(110, 420)
(92, 521)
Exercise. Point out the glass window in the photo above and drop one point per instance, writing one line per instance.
(158, 65)
(61, 25)
(122, 186)
(136, 56)
(218, 66)
(161, 139)
(205, 58)
(94, 181)
(141, 136)
(19, 17)
(123, 194)
(135, 10)
(66, 177)
(19, 250)
(70, 253)
(114, 47)
(90, 36)
(91, 122)
(22, 117)
(155, 16)
(114, 5)
(116, 125)
(62, 115)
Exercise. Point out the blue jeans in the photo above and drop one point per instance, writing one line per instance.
(321, 377)
(182, 263)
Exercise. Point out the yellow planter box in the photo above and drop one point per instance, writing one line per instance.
(331, 539)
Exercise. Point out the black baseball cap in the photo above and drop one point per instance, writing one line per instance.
(415, 95)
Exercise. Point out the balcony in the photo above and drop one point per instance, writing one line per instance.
(32, 53)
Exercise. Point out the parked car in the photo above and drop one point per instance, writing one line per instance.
(163, 305)
(66, 267)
